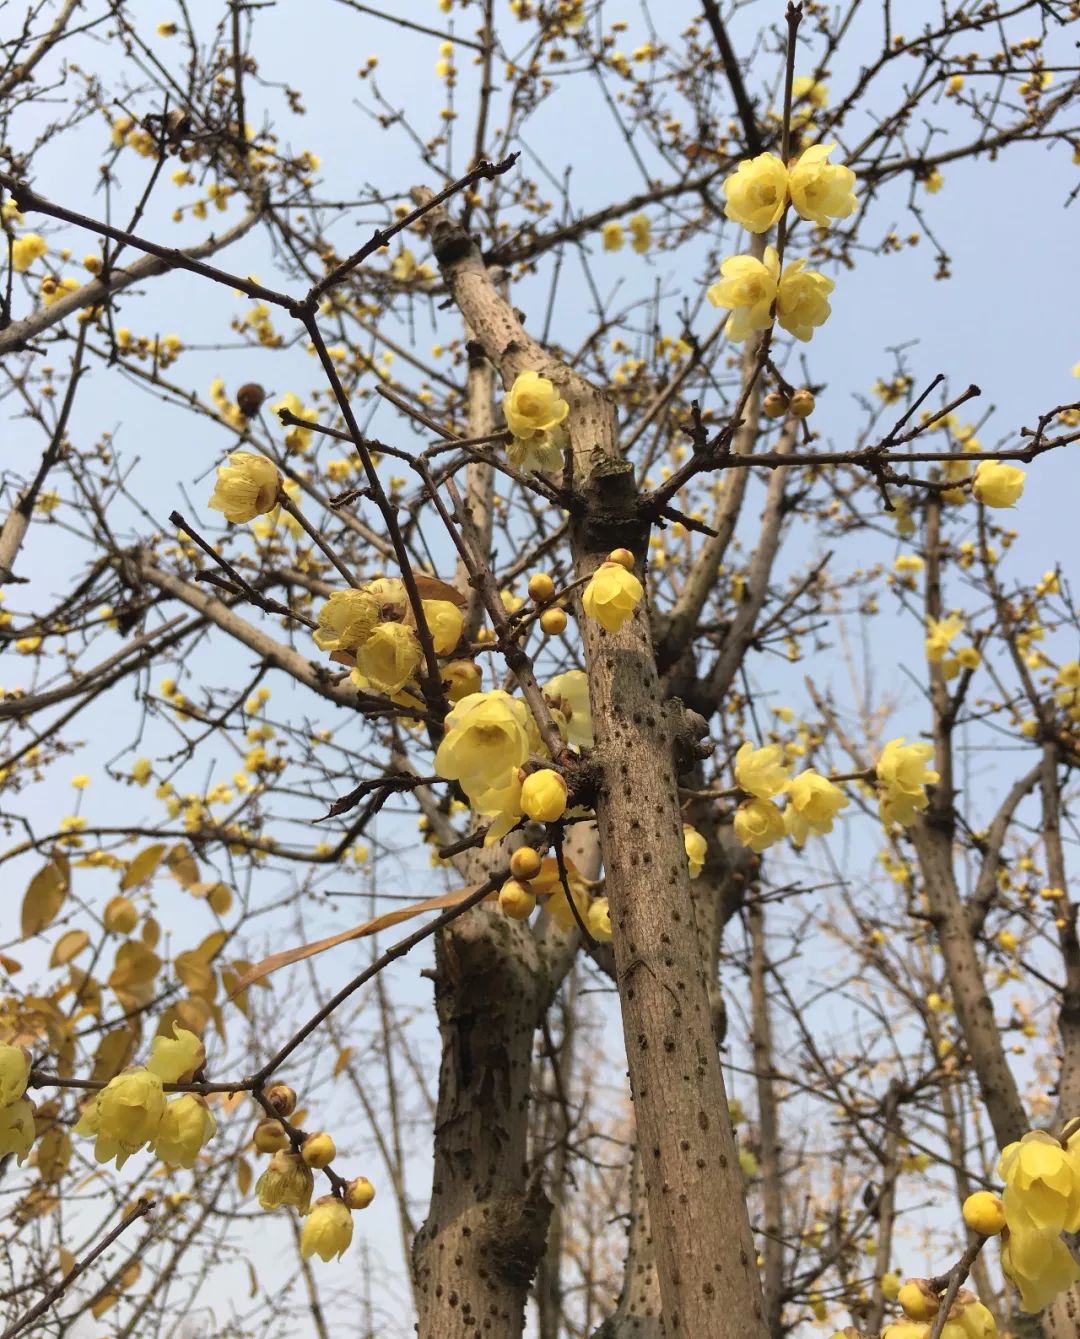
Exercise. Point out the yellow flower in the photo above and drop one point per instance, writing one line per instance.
(81, 781)
(760, 772)
(599, 920)
(246, 487)
(934, 181)
(17, 1129)
(813, 803)
(359, 1193)
(821, 190)
(940, 634)
(328, 1229)
(918, 1300)
(287, 1180)
(404, 267)
(543, 451)
(612, 595)
(757, 192)
(516, 901)
(903, 773)
(185, 1127)
(445, 622)
(346, 621)
(500, 804)
(557, 904)
(176, 1059)
(640, 232)
(969, 1319)
(802, 300)
(543, 796)
(1039, 1263)
(908, 564)
(696, 848)
(14, 1071)
(26, 249)
(533, 405)
(389, 657)
(1042, 1182)
(141, 769)
(485, 741)
(124, 1116)
(997, 485)
(461, 678)
(747, 288)
(758, 823)
(805, 88)
(612, 235)
(890, 1286)
(569, 693)
(984, 1213)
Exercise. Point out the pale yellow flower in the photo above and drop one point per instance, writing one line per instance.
(533, 405)
(820, 190)
(486, 741)
(246, 487)
(996, 484)
(758, 824)
(612, 595)
(346, 621)
(696, 847)
(185, 1128)
(389, 657)
(757, 192)
(761, 772)
(813, 803)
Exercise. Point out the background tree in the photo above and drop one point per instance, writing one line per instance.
(555, 510)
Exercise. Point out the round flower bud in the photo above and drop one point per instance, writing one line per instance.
(359, 1193)
(525, 863)
(984, 1213)
(918, 1300)
(775, 404)
(281, 1099)
(802, 404)
(249, 398)
(318, 1150)
(553, 622)
(598, 920)
(543, 796)
(541, 588)
(460, 678)
(516, 901)
(623, 557)
(270, 1136)
(120, 916)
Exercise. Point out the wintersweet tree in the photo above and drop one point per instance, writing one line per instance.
(545, 457)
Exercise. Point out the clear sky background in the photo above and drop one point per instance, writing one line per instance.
(1006, 320)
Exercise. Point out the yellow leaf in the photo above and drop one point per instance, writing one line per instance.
(10, 965)
(212, 945)
(142, 867)
(68, 946)
(383, 922)
(67, 1261)
(243, 1175)
(45, 895)
(254, 1289)
(130, 1275)
(103, 1303)
(151, 932)
(344, 1056)
(194, 1014)
(220, 898)
(54, 1153)
(135, 965)
(182, 865)
(194, 973)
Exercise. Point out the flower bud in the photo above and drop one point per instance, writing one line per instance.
(120, 916)
(359, 1193)
(249, 398)
(543, 796)
(516, 901)
(801, 404)
(775, 404)
(525, 863)
(623, 557)
(270, 1136)
(984, 1213)
(318, 1150)
(918, 1300)
(553, 622)
(541, 588)
(281, 1099)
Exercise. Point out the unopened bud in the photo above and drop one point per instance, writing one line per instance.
(623, 557)
(802, 404)
(774, 405)
(249, 398)
(553, 622)
(318, 1150)
(281, 1099)
(516, 901)
(525, 863)
(359, 1193)
(270, 1136)
(918, 1300)
(541, 587)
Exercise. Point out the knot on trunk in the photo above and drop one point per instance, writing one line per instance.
(514, 1234)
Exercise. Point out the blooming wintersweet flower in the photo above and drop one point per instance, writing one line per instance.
(486, 741)
(185, 1128)
(14, 1071)
(346, 621)
(569, 694)
(813, 803)
(747, 288)
(501, 805)
(461, 678)
(612, 235)
(802, 300)
(998, 485)
(821, 190)
(640, 232)
(246, 487)
(533, 405)
(758, 824)
(390, 657)
(17, 1130)
(1042, 1181)
(940, 634)
(696, 848)
(805, 88)
(542, 451)
(287, 1181)
(903, 774)
(178, 1058)
(327, 1230)
(26, 249)
(757, 192)
(599, 920)
(124, 1116)
(612, 595)
(1038, 1263)
(543, 796)
(761, 772)
(445, 622)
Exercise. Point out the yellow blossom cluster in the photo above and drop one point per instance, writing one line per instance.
(967, 1318)
(903, 776)
(812, 800)
(533, 877)
(1041, 1200)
